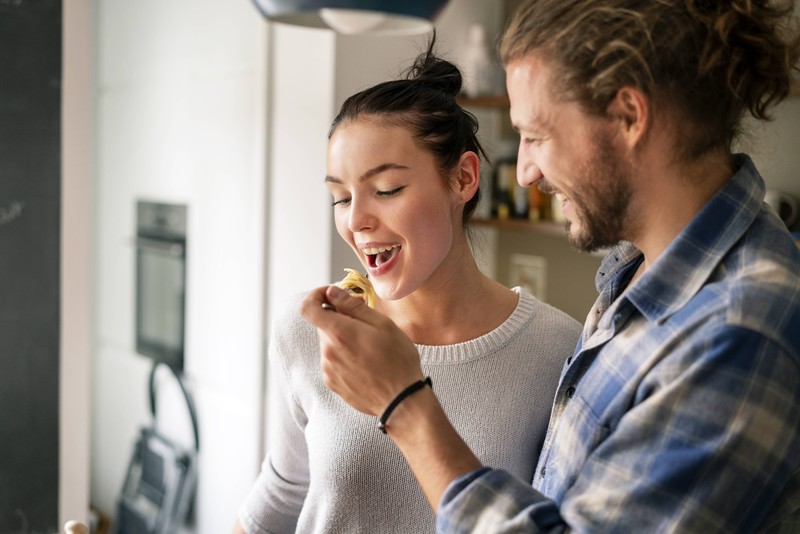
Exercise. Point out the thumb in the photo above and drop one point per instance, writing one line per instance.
(350, 305)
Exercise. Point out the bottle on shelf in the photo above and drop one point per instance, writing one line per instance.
(511, 201)
(485, 207)
(504, 190)
(501, 205)
(540, 205)
(505, 173)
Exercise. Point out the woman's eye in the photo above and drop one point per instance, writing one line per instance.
(341, 202)
(391, 192)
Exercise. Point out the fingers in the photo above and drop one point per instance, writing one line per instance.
(313, 311)
(348, 304)
(318, 305)
(364, 357)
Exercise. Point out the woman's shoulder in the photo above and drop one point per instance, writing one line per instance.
(288, 310)
(289, 332)
(547, 319)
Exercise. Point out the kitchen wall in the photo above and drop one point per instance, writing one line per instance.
(774, 147)
(303, 70)
(181, 101)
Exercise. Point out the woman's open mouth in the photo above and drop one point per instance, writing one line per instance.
(378, 256)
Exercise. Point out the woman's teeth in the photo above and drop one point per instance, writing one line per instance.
(380, 255)
(377, 250)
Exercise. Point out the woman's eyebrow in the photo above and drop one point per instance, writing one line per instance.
(370, 173)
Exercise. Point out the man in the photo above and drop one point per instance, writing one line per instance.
(680, 409)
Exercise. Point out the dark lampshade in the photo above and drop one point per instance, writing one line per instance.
(375, 17)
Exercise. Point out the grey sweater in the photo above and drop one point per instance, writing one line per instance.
(329, 468)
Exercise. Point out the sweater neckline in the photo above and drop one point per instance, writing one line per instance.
(485, 344)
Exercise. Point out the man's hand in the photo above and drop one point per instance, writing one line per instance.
(365, 358)
(367, 361)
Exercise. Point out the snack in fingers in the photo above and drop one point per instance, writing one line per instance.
(359, 286)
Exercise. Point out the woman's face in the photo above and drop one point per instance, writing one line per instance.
(390, 204)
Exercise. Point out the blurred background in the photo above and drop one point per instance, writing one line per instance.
(206, 106)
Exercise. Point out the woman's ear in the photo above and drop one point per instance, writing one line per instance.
(468, 176)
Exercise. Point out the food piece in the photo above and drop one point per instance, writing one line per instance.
(359, 286)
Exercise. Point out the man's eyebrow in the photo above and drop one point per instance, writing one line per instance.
(370, 173)
(528, 124)
(529, 121)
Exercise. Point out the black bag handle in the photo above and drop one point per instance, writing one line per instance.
(186, 396)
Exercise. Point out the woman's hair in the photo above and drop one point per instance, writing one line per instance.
(423, 101)
(712, 60)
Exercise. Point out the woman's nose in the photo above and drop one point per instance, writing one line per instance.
(360, 217)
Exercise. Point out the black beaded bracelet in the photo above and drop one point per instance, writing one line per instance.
(416, 386)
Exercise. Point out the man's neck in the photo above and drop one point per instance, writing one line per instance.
(669, 197)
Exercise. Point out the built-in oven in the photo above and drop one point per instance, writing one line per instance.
(161, 281)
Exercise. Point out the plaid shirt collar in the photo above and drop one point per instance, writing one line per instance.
(694, 255)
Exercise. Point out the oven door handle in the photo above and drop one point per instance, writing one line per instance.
(157, 245)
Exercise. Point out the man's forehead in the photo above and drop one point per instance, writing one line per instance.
(532, 93)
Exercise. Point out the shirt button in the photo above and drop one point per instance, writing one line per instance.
(542, 471)
(570, 392)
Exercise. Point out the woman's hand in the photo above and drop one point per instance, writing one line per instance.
(365, 358)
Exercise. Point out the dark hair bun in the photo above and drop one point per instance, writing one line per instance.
(435, 72)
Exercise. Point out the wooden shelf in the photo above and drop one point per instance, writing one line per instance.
(542, 227)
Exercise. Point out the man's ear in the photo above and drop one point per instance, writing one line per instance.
(468, 176)
(632, 107)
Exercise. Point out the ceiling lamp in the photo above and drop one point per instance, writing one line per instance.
(356, 17)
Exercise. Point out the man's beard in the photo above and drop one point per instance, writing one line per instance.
(601, 205)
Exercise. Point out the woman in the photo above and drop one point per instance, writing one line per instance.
(403, 171)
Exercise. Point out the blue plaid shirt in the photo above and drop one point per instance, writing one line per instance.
(680, 409)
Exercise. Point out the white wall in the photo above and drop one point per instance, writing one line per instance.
(774, 147)
(181, 117)
(301, 109)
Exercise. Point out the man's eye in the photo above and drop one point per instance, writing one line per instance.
(341, 202)
(531, 140)
(391, 192)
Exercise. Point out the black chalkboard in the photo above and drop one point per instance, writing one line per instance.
(30, 211)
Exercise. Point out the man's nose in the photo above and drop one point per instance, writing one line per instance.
(528, 172)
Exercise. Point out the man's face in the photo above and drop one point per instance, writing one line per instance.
(569, 153)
